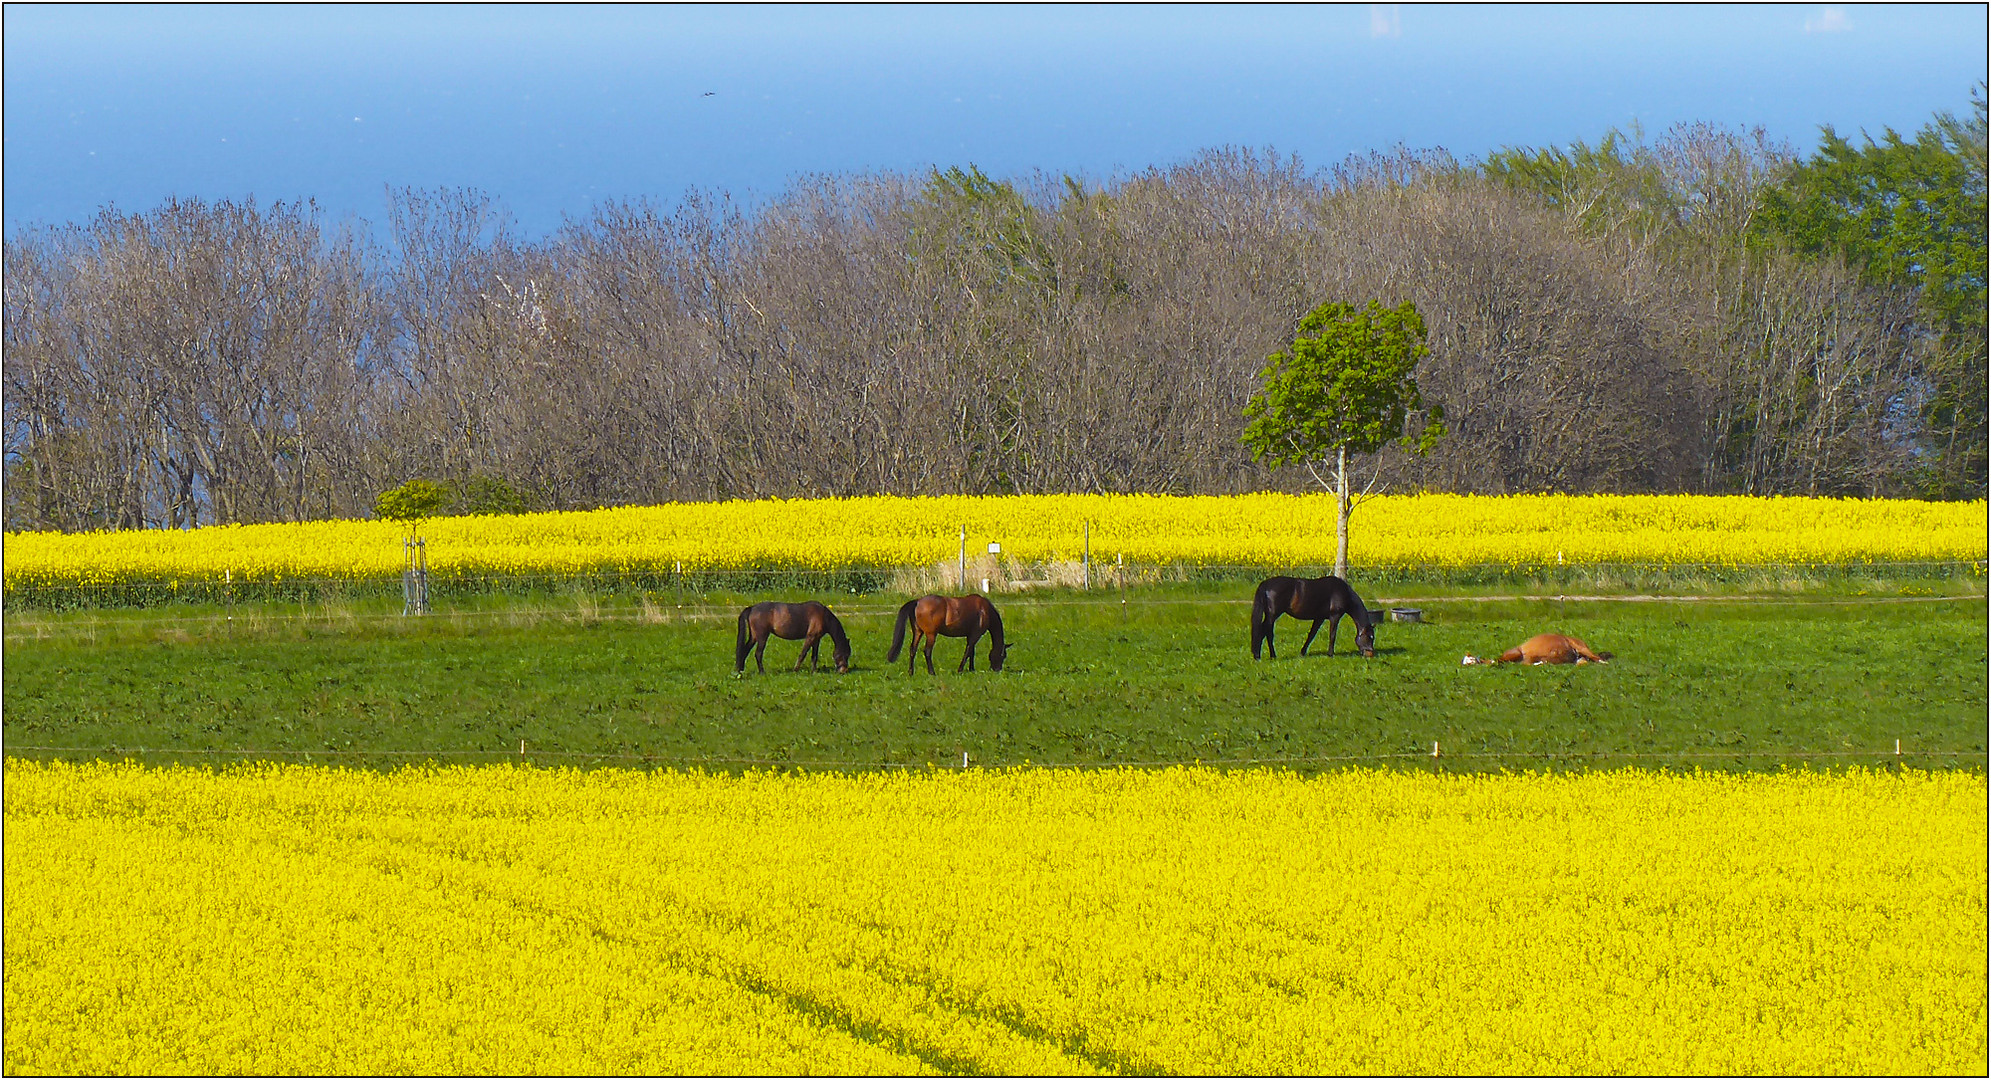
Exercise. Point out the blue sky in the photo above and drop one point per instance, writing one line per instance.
(553, 108)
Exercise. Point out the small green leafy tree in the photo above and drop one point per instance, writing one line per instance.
(418, 500)
(412, 503)
(1346, 386)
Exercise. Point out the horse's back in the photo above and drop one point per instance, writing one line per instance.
(953, 616)
(787, 620)
(1278, 593)
(1308, 598)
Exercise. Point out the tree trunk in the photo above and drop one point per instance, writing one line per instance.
(1341, 513)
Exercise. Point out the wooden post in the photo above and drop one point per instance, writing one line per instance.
(1120, 571)
(1087, 526)
(964, 558)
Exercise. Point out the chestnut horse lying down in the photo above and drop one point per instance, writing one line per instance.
(808, 622)
(1545, 649)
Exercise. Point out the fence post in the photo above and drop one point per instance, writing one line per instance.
(1087, 526)
(1120, 571)
(964, 558)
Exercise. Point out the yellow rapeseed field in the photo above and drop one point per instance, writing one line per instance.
(833, 534)
(283, 919)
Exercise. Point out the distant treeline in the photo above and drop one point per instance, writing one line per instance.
(1704, 312)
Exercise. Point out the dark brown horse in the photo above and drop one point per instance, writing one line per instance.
(808, 621)
(951, 616)
(1322, 599)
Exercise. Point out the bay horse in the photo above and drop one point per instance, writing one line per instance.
(1322, 599)
(1545, 649)
(808, 621)
(933, 617)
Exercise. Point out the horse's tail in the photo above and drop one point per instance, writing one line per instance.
(899, 631)
(740, 642)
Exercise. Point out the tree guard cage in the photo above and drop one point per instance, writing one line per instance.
(415, 577)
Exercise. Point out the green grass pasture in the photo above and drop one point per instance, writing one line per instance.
(1724, 684)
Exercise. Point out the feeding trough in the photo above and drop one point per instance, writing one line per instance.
(1406, 614)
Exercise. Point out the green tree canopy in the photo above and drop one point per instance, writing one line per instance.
(420, 499)
(1347, 384)
(1908, 212)
(1911, 213)
(412, 502)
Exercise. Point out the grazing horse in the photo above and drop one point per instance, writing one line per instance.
(1322, 599)
(953, 616)
(808, 621)
(1545, 649)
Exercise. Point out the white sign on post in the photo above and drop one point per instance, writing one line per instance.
(995, 549)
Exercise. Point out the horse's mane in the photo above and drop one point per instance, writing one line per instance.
(1357, 609)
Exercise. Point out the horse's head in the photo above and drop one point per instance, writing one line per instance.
(997, 650)
(1365, 634)
(840, 648)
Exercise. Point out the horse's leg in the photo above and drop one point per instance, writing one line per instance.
(968, 658)
(760, 650)
(1310, 638)
(1333, 624)
(930, 640)
(1271, 622)
(912, 656)
(805, 653)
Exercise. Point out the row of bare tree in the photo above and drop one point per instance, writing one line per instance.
(205, 363)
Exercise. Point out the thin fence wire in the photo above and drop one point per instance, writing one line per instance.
(728, 612)
(868, 580)
(784, 763)
(657, 608)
